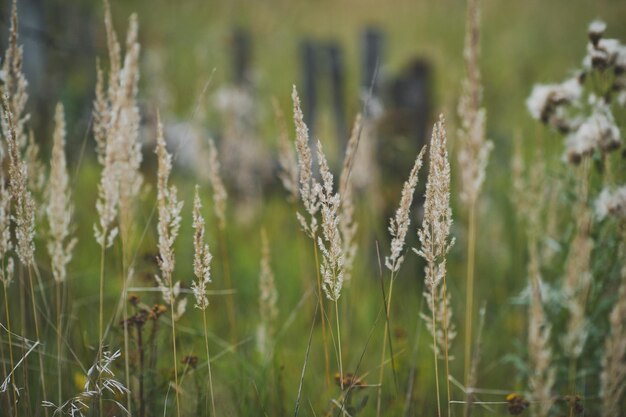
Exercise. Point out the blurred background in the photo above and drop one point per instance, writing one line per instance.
(222, 68)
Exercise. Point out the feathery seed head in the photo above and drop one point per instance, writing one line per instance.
(347, 225)
(399, 225)
(434, 238)
(286, 156)
(202, 256)
(308, 185)
(268, 297)
(59, 208)
(332, 268)
(18, 188)
(219, 191)
(169, 209)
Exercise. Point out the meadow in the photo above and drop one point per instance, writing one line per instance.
(174, 243)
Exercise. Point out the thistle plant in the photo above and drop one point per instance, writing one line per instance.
(582, 107)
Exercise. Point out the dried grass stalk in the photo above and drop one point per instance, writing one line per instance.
(268, 297)
(399, 225)
(202, 256)
(434, 246)
(474, 150)
(613, 376)
(434, 238)
(219, 191)
(286, 156)
(59, 209)
(116, 131)
(169, 209)
(347, 224)
(24, 203)
(308, 184)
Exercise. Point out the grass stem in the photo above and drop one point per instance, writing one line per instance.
(469, 300)
(208, 361)
(42, 374)
(320, 297)
(12, 397)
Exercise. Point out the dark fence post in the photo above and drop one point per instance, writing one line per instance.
(337, 81)
(242, 51)
(410, 100)
(308, 59)
(372, 45)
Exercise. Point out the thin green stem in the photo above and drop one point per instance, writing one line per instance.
(101, 316)
(125, 317)
(42, 374)
(435, 350)
(469, 301)
(385, 336)
(321, 308)
(174, 350)
(6, 310)
(339, 342)
(59, 334)
(208, 361)
(230, 305)
(140, 349)
(445, 332)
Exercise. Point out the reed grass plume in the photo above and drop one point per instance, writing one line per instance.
(330, 243)
(542, 373)
(59, 209)
(23, 201)
(268, 298)
(116, 131)
(288, 174)
(202, 256)
(6, 245)
(613, 375)
(434, 238)
(244, 155)
(308, 184)
(219, 191)
(578, 276)
(169, 209)
(474, 150)
(347, 224)
(14, 85)
(399, 224)
(36, 168)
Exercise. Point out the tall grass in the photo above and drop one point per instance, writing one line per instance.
(562, 352)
